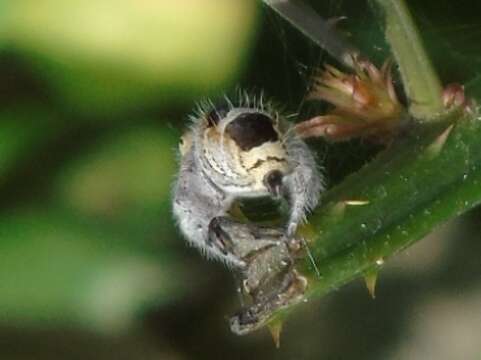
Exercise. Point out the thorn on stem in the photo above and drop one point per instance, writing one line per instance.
(370, 278)
(338, 209)
(357, 202)
(437, 145)
(275, 328)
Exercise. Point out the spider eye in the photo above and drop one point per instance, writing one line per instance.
(249, 130)
(213, 117)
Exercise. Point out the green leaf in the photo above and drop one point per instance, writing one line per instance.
(55, 271)
(21, 133)
(123, 184)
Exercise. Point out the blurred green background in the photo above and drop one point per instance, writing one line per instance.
(93, 98)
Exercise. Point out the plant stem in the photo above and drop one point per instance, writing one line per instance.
(420, 81)
(408, 190)
(425, 178)
(419, 183)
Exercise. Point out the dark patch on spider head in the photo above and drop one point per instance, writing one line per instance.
(216, 114)
(249, 130)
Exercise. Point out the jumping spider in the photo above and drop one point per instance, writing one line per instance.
(246, 151)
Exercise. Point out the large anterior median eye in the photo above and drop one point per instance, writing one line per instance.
(249, 130)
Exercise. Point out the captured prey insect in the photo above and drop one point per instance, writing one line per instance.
(269, 278)
(240, 151)
(233, 152)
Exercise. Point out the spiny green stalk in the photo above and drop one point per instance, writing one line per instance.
(406, 192)
(425, 178)
(429, 177)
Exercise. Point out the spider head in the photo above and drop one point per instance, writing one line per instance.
(243, 147)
